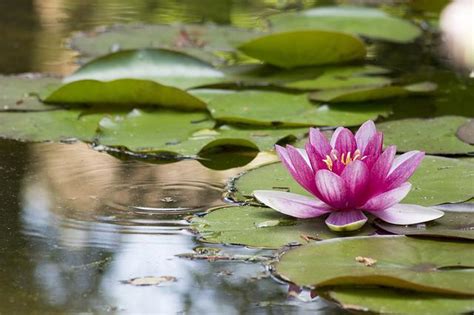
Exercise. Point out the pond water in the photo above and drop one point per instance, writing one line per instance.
(76, 222)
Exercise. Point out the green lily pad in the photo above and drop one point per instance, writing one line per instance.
(396, 261)
(58, 125)
(184, 134)
(452, 224)
(438, 180)
(144, 77)
(418, 134)
(262, 227)
(393, 301)
(371, 93)
(19, 92)
(206, 42)
(268, 108)
(305, 48)
(368, 22)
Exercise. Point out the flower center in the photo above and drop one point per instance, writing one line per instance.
(345, 158)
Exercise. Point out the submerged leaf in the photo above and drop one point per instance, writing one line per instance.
(371, 93)
(150, 280)
(283, 109)
(305, 48)
(402, 262)
(262, 227)
(368, 22)
(205, 42)
(466, 132)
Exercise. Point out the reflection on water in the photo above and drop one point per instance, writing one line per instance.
(34, 32)
(80, 221)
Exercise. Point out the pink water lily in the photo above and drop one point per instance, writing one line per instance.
(348, 176)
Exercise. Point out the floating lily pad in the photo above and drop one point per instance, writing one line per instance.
(58, 125)
(368, 22)
(438, 180)
(145, 77)
(19, 92)
(184, 134)
(452, 224)
(262, 227)
(275, 108)
(206, 42)
(466, 132)
(360, 94)
(419, 134)
(401, 262)
(393, 301)
(305, 48)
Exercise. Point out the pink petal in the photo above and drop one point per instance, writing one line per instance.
(296, 164)
(365, 134)
(294, 205)
(402, 168)
(315, 159)
(387, 199)
(332, 189)
(303, 169)
(343, 140)
(356, 179)
(373, 149)
(320, 143)
(403, 214)
(380, 169)
(346, 220)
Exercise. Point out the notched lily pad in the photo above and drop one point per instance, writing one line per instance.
(262, 227)
(360, 94)
(419, 134)
(143, 77)
(267, 108)
(452, 224)
(305, 48)
(402, 262)
(438, 180)
(368, 22)
(393, 301)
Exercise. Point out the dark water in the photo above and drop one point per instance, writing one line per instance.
(75, 222)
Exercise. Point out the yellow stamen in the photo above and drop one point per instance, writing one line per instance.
(328, 162)
(346, 158)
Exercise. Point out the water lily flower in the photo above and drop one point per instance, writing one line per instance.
(348, 176)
